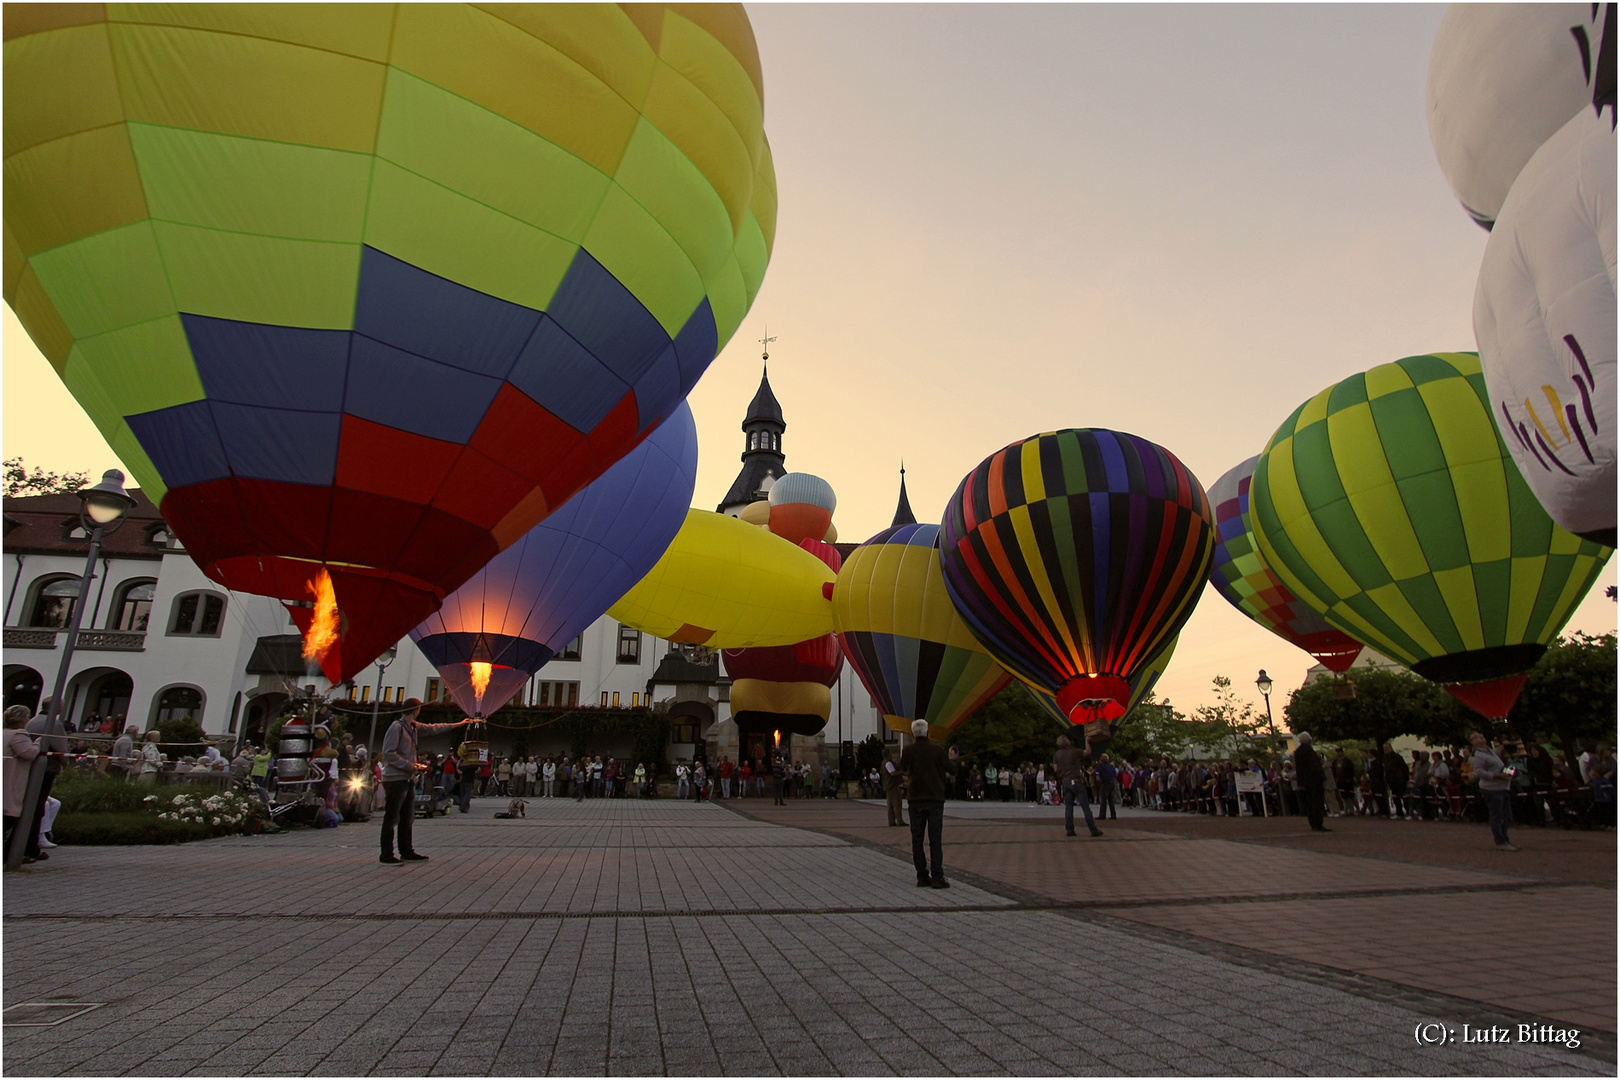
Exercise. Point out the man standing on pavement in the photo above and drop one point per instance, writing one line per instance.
(399, 781)
(929, 770)
(1070, 764)
(1494, 784)
(1107, 790)
(892, 782)
(1310, 776)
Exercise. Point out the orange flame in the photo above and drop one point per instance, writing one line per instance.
(480, 678)
(323, 625)
(778, 736)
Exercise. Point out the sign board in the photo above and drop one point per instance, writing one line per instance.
(1253, 783)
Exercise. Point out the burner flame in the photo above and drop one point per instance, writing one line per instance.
(323, 626)
(480, 679)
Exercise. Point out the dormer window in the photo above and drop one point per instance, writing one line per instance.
(74, 530)
(161, 537)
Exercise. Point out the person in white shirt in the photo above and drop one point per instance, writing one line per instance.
(548, 776)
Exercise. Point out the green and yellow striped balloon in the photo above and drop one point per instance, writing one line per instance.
(1389, 503)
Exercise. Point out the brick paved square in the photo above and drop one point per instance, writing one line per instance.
(672, 939)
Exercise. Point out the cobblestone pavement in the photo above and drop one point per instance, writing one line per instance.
(671, 938)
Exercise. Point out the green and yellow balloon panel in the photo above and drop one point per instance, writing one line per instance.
(1389, 503)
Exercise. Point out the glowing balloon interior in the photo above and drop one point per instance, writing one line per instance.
(519, 611)
(1074, 556)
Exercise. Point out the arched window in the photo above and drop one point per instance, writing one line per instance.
(132, 608)
(53, 602)
(178, 701)
(197, 614)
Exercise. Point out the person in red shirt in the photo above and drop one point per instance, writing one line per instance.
(725, 778)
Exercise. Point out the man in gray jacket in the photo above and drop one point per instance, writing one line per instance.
(399, 781)
(1494, 784)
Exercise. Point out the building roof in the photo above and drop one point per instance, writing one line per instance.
(278, 654)
(39, 525)
(764, 406)
(676, 667)
(902, 512)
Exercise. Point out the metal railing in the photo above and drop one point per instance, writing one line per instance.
(34, 637)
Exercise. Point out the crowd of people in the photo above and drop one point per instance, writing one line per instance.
(1432, 785)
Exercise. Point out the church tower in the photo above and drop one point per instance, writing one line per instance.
(762, 457)
(902, 512)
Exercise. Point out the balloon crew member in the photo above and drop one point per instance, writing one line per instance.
(1071, 769)
(929, 770)
(399, 770)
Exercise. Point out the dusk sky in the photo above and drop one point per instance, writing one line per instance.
(1178, 222)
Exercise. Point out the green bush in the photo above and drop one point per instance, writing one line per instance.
(124, 828)
(93, 795)
(181, 735)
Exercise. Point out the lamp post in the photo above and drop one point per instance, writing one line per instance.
(376, 702)
(101, 511)
(1264, 684)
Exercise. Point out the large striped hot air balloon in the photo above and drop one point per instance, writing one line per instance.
(1074, 557)
(903, 637)
(1388, 503)
(367, 290)
(500, 627)
(1242, 576)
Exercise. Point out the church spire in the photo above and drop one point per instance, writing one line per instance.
(902, 512)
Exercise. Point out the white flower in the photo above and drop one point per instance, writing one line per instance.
(150, 798)
(179, 799)
(216, 821)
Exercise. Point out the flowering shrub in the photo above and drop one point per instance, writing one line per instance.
(224, 813)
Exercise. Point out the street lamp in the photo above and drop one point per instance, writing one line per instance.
(101, 512)
(1264, 684)
(376, 702)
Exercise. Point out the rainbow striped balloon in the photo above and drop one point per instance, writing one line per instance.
(1074, 556)
(373, 288)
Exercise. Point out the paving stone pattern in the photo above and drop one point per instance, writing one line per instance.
(631, 938)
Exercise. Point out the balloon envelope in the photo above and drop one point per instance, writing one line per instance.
(730, 585)
(1388, 503)
(537, 595)
(1502, 79)
(1243, 578)
(1544, 316)
(903, 637)
(375, 288)
(1074, 556)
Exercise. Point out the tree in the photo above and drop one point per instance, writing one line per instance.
(1010, 728)
(869, 753)
(1152, 729)
(1570, 695)
(1224, 727)
(1388, 703)
(19, 481)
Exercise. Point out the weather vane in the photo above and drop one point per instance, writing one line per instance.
(766, 342)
